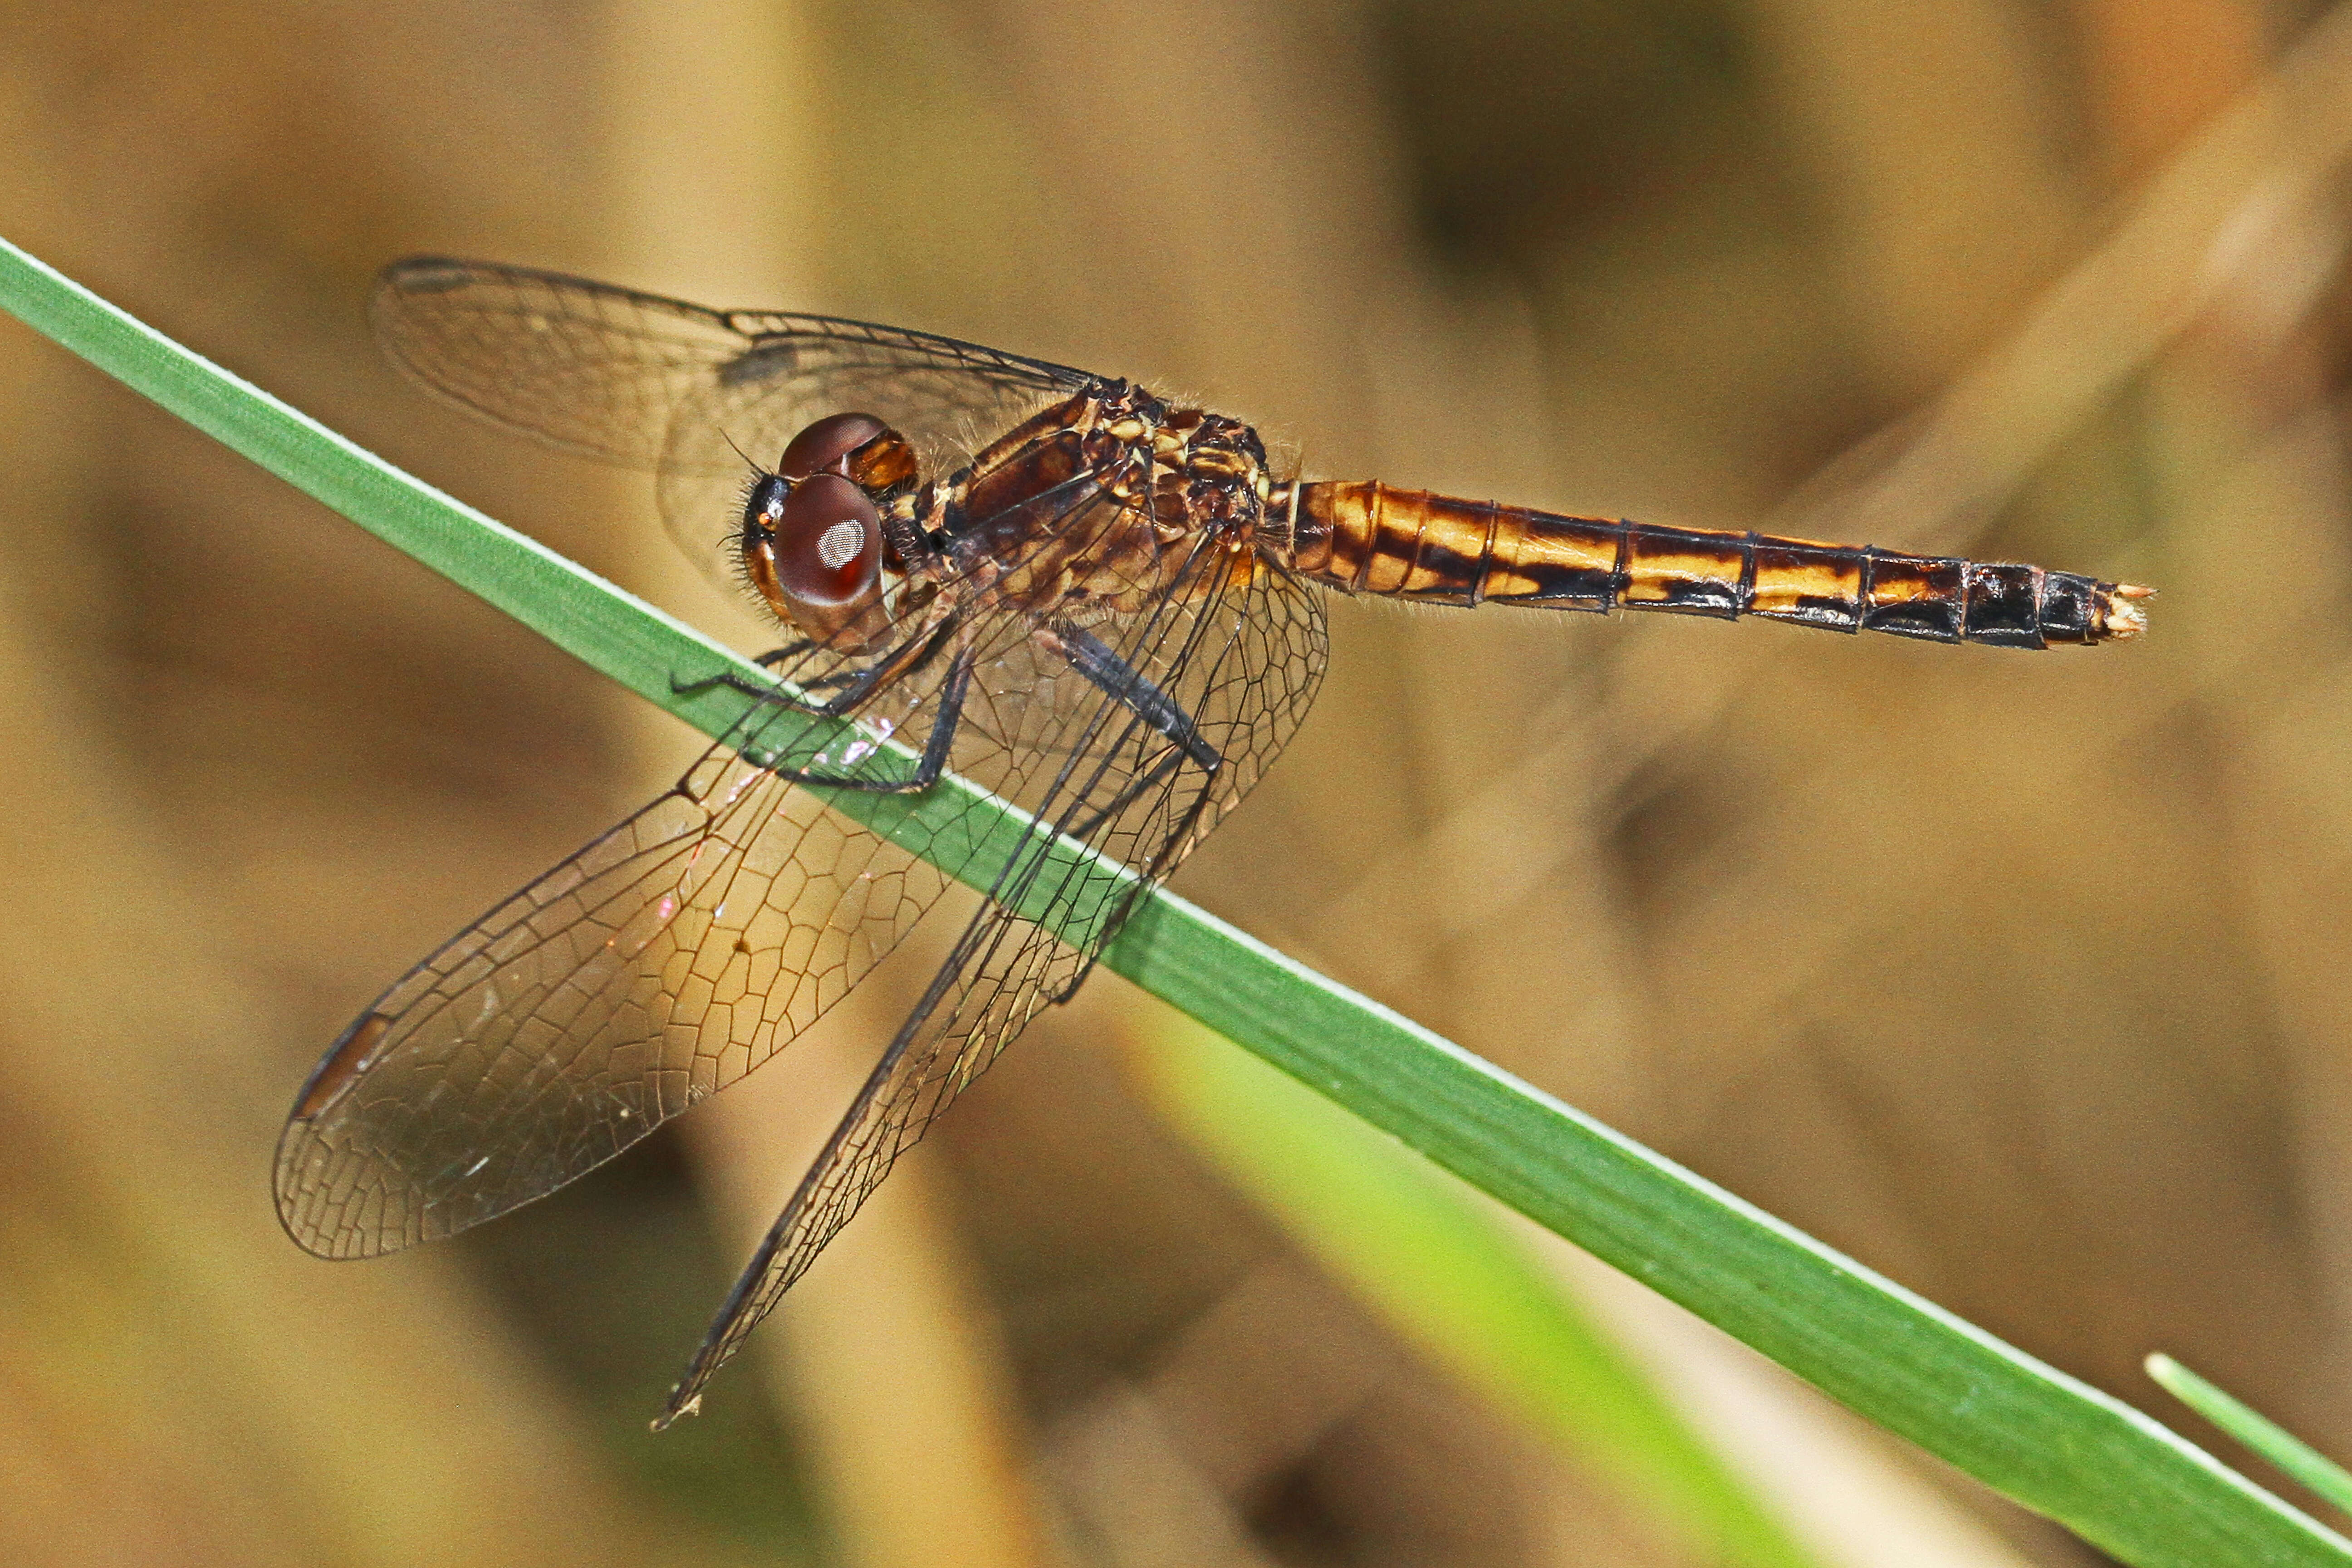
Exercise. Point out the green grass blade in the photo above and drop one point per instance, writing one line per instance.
(1457, 1284)
(2052, 1443)
(2255, 1430)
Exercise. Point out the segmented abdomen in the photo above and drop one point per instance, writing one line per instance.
(1364, 538)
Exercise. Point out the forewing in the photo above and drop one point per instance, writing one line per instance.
(1244, 659)
(661, 383)
(658, 965)
(582, 366)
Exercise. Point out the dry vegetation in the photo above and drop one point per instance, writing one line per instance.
(2017, 976)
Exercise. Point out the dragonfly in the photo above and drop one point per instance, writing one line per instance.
(1092, 602)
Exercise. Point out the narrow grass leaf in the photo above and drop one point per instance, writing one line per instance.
(2255, 1430)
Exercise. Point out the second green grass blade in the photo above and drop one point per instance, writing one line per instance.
(2054, 1444)
(1451, 1280)
(2255, 1430)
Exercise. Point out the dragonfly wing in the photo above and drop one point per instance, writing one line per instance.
(581, 365)
(655, 966)
(1243, 658)
(660, 383)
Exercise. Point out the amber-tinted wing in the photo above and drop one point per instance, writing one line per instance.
(658, 965)
(663, 384)
(1239, 647)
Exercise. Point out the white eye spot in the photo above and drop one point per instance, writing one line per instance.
(839, 545)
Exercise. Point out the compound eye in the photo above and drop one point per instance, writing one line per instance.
(828, 545)
(824, 446)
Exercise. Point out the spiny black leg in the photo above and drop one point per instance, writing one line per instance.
(835, 706)
(779, 656)
(1094, 660)
(1126, 907)
(729, 678)
(747, 686)
(902, 660)
(898, 664)
(1098, 662)
(1091, 657)
(935, 748)
(943, 726)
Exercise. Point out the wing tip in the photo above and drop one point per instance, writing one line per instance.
(675, 1410)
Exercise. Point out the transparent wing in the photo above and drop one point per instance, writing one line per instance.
(1239, 649)
(664, 384)
(660, 963)
(603, 369)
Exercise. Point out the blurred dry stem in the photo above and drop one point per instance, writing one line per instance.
(2015, 977)
(1840, 1485)
(888, 1363)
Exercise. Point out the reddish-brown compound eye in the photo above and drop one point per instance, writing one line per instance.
(824, 446)
(828, 544)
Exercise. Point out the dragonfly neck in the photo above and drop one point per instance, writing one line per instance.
(1362, 537)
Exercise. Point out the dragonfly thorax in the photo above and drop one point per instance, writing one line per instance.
(1104, 502)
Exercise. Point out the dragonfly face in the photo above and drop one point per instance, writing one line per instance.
(1102, 608)
(812, 542)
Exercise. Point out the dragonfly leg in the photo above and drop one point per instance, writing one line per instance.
(854, 689)
(1091, 657)
(774, 656)
(936, 746)
(747, 686)
(1150, 778)
(734, 682)
(1094, 660)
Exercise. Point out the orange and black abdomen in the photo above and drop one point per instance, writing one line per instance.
(1364, 538)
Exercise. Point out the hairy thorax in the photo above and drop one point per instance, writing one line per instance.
(1102, 505)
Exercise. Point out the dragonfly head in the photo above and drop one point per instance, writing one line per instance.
(812, 543)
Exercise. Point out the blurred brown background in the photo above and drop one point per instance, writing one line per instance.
(2018, 977)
